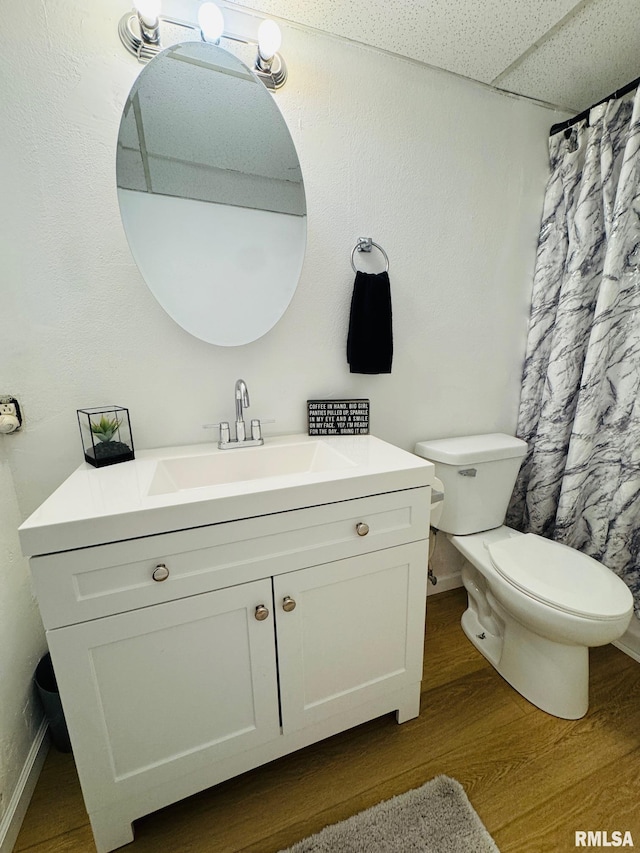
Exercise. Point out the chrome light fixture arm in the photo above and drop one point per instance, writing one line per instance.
(138, 37)
(275, 75)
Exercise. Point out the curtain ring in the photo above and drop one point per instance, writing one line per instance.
(364, 244)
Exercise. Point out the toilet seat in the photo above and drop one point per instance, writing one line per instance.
(561, 577)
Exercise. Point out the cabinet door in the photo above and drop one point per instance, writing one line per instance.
(156, 693)
(356, 632)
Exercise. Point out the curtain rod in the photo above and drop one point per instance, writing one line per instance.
(565, 125)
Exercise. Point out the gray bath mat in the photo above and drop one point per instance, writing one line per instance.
(435, 818)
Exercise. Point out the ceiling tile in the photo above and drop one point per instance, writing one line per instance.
(569, 53)
(475, 39)
(588, 58)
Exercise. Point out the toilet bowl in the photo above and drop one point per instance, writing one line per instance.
(534, 606)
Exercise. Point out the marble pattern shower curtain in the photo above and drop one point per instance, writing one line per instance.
(580, 406)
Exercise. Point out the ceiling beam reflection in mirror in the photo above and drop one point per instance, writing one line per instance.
(145, 32)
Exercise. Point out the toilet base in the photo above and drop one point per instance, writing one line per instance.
(552, 676)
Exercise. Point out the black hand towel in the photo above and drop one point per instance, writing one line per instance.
(370, 338)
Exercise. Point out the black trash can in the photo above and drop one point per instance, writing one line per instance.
(45, 681)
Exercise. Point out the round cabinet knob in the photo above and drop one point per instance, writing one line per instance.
(160, 573)
(288, 604)
(362, 528)
(261, 613)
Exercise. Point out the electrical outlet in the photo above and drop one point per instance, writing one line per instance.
(10, 414)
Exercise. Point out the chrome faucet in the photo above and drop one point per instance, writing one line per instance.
(242, 399)
(241, 440)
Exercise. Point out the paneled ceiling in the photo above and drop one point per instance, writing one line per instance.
(569, 53)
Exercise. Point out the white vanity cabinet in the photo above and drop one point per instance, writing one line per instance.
(256, 637)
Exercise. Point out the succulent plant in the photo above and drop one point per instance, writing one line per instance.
(105, 429)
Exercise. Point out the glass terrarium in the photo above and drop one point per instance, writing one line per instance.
(106, 435)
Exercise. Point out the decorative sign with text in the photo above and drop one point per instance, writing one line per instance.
(338, 417)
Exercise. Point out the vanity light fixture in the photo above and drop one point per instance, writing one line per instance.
(268, 61)
(145, 32)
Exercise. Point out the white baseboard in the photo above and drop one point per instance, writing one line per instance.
(444, 584)
(629, 643)
(21, 797)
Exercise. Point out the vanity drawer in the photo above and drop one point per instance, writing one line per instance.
(74, 586)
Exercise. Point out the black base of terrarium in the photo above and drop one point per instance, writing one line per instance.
(108, 453)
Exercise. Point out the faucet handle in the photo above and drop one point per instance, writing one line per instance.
(223, 426)
(256, 426)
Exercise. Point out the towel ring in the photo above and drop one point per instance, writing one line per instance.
(364, 244)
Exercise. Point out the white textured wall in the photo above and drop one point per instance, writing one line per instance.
(443, 173)
(21, 645)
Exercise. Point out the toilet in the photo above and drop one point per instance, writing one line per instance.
(534, 606)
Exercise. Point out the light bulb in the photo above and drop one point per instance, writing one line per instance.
(211, 21)
(269, 39)
(148, 11)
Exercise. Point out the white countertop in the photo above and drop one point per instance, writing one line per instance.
(98, 505)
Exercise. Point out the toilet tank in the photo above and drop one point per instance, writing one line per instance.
(478, 473)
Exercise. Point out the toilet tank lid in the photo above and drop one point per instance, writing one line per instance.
(470, 449)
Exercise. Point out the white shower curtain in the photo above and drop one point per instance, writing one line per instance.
(580, 405)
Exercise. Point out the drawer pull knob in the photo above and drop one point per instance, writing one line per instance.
(160, 573)
(362, 528)
(288, 604)
(261, 613)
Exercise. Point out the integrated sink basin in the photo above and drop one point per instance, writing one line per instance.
(180, 488)
(243, 464)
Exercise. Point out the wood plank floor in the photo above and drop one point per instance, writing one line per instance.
(533, 779)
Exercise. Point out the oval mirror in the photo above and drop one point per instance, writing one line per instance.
(211, 194)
